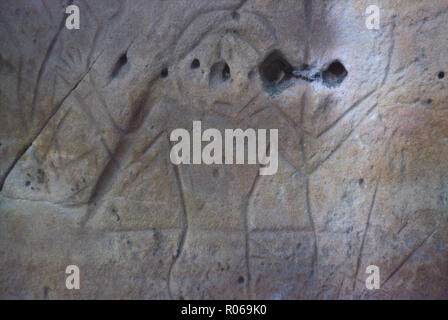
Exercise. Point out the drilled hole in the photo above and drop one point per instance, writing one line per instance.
(164, 73)
(441, 75)
(275, 72)
(195, 64)
(225, 72)
(219, 73)
(122, 60)
(335, 74)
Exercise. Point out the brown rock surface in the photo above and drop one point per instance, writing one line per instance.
(86, 177)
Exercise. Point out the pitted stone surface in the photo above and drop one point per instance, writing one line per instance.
(86, 177)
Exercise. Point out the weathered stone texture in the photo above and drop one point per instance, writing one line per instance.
(86, 177)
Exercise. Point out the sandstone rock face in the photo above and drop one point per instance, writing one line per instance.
(86, 177)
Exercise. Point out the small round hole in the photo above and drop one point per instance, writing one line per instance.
(195, 64)
(219, 73)
(335, 74)
(275, 72)
(337, 68)
(164, 73)
(441, 75)
(226, 73)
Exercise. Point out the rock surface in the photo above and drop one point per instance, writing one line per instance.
(86, 177)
